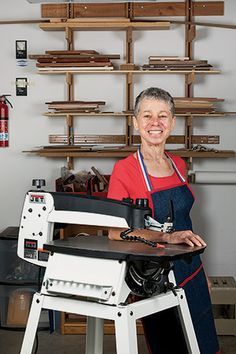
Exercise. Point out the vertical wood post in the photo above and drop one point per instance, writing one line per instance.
(70, 97)
(190, 33)
(129, 86)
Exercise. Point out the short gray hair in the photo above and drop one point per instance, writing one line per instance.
(154, 93)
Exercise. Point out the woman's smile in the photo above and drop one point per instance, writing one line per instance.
(155, 131)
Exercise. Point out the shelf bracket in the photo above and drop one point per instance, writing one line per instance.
(69, 38)
(189, 79)
(129, 107)
(188, 131)
(70, 86)
(129, 45)
(191, 33)
(70, 129)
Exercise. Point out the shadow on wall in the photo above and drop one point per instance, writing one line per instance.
(199, 213)
(213, 218)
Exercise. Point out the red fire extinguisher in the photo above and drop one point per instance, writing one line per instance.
(4, 137)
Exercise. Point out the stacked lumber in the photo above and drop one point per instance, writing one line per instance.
(108, 141)
(123, 151)
(75, 148)
(75, 106)
(195, 105)
(74, 60)
(175, 63)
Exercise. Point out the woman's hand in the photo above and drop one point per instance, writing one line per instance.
(186, 236)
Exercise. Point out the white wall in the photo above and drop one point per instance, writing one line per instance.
(214, 211)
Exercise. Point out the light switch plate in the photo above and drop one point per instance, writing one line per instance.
(21, 49)
(21, 86)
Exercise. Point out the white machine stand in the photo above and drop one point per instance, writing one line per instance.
(94, 276)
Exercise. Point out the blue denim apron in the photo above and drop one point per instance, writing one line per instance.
(163, 330)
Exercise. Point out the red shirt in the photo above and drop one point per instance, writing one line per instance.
(127, 179)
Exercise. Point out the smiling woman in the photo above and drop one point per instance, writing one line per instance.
(154, 174)
(154, 122)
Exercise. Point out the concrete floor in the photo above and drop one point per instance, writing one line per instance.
(10, 343)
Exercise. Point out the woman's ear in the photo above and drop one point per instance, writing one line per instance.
(135, 123)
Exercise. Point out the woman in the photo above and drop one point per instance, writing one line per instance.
(157, 175)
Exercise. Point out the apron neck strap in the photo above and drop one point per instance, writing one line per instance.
(144, 170)
(182, 179)
(145, 173)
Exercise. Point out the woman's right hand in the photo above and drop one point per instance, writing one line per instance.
(186, 236)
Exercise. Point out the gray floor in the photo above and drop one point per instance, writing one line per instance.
(10, 343)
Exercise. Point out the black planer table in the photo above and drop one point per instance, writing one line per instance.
(93, 276)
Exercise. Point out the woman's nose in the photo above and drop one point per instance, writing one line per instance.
(155, 119)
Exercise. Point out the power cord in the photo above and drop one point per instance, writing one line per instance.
(125, 236)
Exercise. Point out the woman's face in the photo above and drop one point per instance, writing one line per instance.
(154, 121)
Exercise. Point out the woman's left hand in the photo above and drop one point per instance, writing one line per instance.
(186, 236)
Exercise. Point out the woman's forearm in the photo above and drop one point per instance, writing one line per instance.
(176, 237)
(114, 234)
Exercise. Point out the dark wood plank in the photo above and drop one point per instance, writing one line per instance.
(208, 8)
(203, 8)
(99, 10)
(120, 139)
(158, 9)
(150, 9)
(54, 10)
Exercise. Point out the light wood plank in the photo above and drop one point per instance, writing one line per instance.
(56, 72)
(106, 25)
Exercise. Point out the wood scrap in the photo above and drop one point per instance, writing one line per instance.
(76, 106)
(92, 64)
(176, 64)
(80, 53)
(163, 58)
(72, 56)
(69, 52)
(74, 60)
(80, 139)
(195, 104)
(71, 69)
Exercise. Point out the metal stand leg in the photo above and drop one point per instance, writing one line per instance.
(187, 324)
(32, 324)
(94, 335)
(126, 334)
